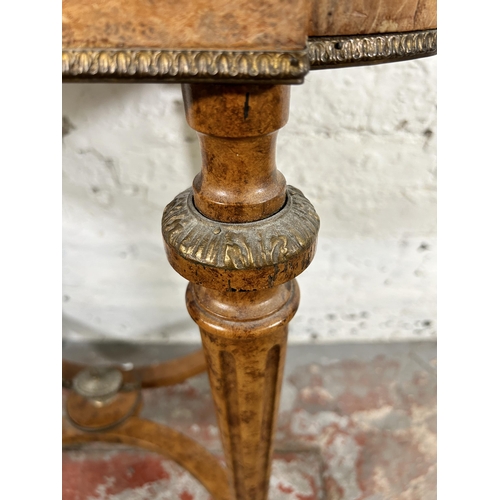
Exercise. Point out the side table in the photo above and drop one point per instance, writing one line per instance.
(240, 235)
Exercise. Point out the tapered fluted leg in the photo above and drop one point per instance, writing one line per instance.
(244, 336)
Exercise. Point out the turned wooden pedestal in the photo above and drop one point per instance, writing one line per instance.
(239, 235)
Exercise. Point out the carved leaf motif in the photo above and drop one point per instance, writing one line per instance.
(331, 51)
(240, 246)
(278, 248)
(238, 255)
(184, 63)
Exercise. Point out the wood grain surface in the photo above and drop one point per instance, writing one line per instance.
(244, 335)
(240, 228)
(243, 320)
(238, 181)
(278, 25)
(189, 24)
(361, 17)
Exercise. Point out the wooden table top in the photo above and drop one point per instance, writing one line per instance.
(279, 32)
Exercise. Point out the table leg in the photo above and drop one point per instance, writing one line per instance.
(241, 236)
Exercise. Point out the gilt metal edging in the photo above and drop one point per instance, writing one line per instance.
(240, 246)
(341, 51)
(184, 66)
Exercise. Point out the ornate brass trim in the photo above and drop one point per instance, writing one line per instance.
(247, 245)
(184, 66)
(341, 51)
(240, 256)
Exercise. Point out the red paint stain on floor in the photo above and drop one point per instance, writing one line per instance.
(82, 478)
(371, 423)
(285, 489)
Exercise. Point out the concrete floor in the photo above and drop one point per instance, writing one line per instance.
(356, 422)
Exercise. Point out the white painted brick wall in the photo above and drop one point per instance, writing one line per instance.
(360, 144)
